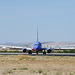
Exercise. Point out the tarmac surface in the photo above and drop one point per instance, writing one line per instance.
(41, 54)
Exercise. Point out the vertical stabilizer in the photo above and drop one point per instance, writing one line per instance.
(37, 33)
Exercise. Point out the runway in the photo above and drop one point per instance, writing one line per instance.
(41, 54)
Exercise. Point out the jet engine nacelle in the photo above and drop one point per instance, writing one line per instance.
(49, 50)
(24, 50)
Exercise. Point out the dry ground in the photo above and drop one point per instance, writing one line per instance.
(36, 65)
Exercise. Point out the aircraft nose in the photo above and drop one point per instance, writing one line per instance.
(37, 47)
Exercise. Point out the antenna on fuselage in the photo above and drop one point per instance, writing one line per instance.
(37, 33)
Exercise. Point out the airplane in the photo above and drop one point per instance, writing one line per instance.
(37, 46)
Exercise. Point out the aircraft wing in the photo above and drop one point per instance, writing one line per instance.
(49, 50)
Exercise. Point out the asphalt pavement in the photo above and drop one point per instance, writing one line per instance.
(41, 54)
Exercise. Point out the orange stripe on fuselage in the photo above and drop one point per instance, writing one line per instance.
(36, 50)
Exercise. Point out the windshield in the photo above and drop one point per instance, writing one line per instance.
(36, 44)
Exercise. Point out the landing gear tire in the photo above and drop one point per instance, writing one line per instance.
(44, 53)
(37, 53)
(30, 52)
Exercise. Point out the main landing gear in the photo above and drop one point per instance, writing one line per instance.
(44, 53)
(29, 52)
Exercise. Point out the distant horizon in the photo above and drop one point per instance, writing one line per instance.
(39, 41)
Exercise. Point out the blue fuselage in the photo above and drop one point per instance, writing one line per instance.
(37, 46)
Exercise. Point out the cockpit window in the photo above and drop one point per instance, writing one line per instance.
(36, 44)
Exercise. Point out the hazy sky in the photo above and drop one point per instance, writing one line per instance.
(19, 20)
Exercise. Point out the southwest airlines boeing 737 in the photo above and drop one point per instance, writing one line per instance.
(37, 46)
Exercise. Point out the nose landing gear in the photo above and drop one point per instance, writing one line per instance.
(37, 52)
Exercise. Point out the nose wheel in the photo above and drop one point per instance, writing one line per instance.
(37, 52)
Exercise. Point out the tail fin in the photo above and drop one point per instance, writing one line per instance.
(37, 33)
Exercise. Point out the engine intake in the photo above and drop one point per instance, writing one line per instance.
(24, 50)
(49, 50)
